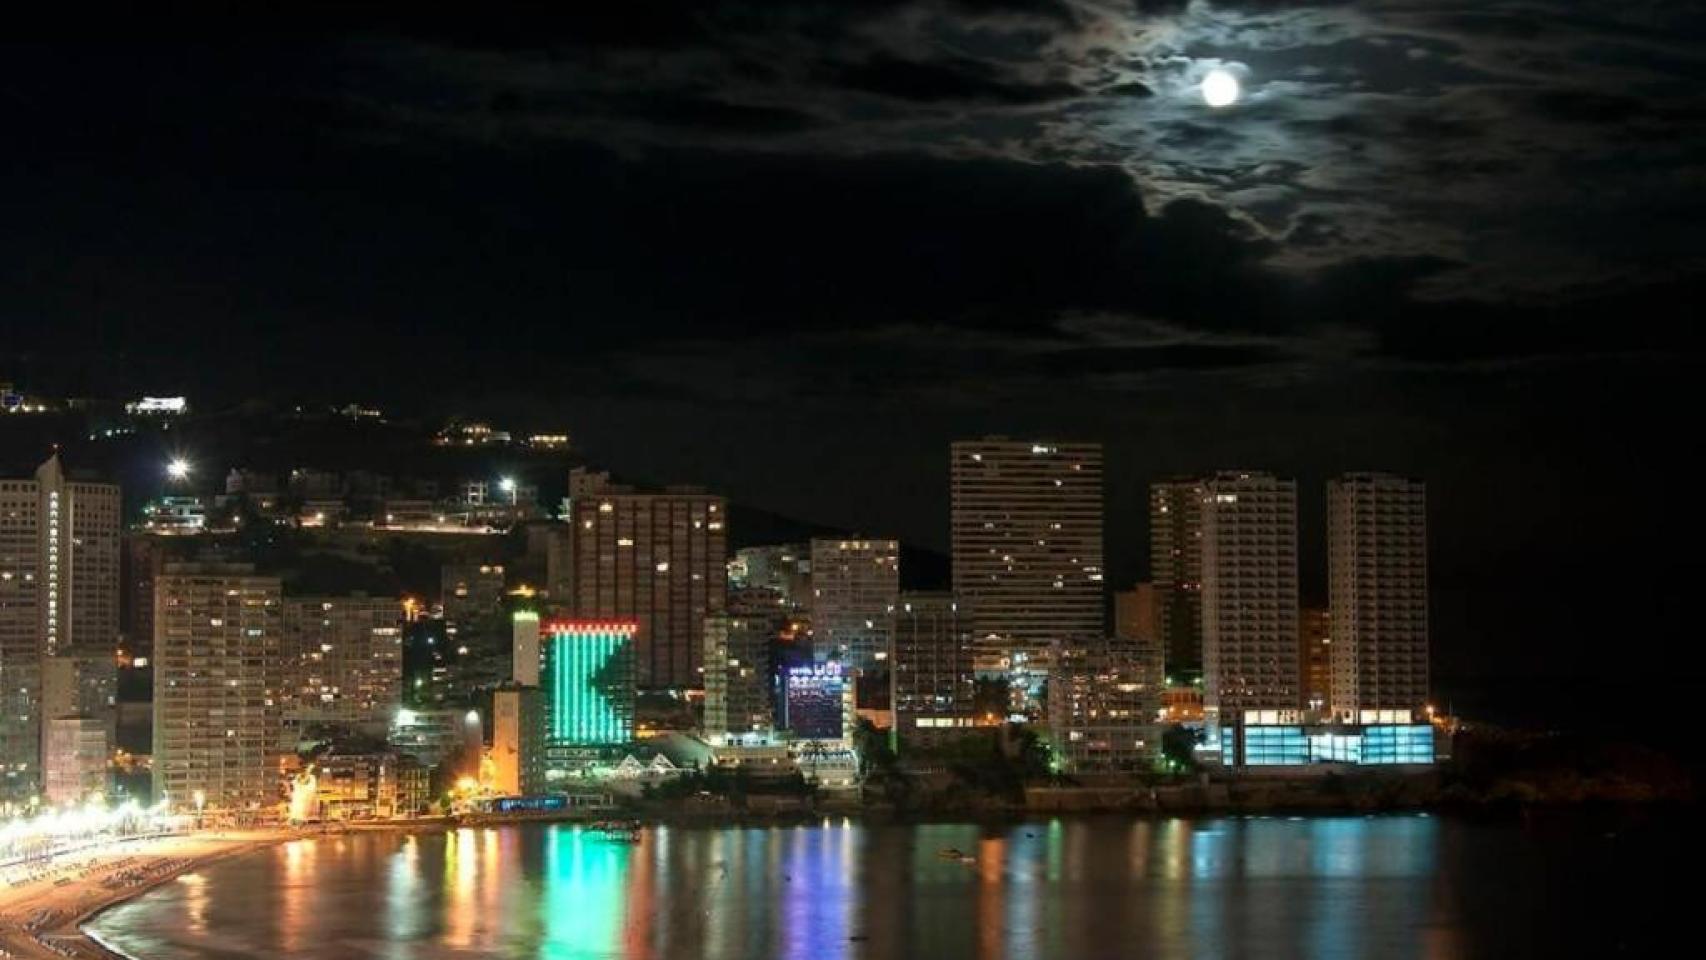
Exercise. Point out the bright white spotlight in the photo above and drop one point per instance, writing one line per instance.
(178, 469)
(507, 484)
(1219, 88)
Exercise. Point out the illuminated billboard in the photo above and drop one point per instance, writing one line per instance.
(815, 701)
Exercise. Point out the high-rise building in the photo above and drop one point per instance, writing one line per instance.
(1175, 569)
(1103, 702)
(1314, 656)
(346, 658)
(1027, 547)
(589, 682)
(854, 583)
(518, 740)
(218, 686)
(931, 672)
(656, 559)
(1377, 559)
(784, 568)
(59, 595)
(524, 648)
(739, 647)
(1249, 605)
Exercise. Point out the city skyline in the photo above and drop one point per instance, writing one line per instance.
(339, 658)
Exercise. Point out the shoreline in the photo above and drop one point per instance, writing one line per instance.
(68, 906)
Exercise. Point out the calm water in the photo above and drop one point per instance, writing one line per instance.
(1398, 886)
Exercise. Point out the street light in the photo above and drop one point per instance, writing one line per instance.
(178, 469)
(200, 801)
(507, 485)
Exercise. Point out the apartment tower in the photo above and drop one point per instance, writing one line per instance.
(1249, 595)
(1377, 586)
(854, 583)
(1027, 548)
(59, 596)
(658, 559)
(219, 686)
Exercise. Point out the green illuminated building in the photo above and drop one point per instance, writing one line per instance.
(589, 679)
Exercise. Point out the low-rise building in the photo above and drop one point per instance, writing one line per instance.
(1283, 740)
(356, 786)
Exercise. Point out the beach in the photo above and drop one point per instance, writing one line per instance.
(43, 905)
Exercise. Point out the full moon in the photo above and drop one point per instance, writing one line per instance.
(1219, 88)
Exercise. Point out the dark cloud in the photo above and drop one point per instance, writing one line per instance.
(1629, 323)
(945, 79)
(1586, 106)
(1130, 88)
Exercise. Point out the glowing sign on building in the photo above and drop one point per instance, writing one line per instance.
(816, 701)
(590, 676)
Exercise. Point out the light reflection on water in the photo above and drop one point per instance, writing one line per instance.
(1320, 887)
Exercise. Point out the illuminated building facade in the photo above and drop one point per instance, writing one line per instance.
(346, 658)
(1266, 739)
(1377, 587)
(59, 595)
(351, 786)
(1175, 565)
(931, 673)
(218, 673)
(1249, 565)
(1027, 547)
(157, 407)
(854, 583)
(659, 560)
(589, 682)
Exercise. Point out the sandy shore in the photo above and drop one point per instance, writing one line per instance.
(41, 918)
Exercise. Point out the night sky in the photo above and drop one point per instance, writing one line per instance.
(790, 251)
